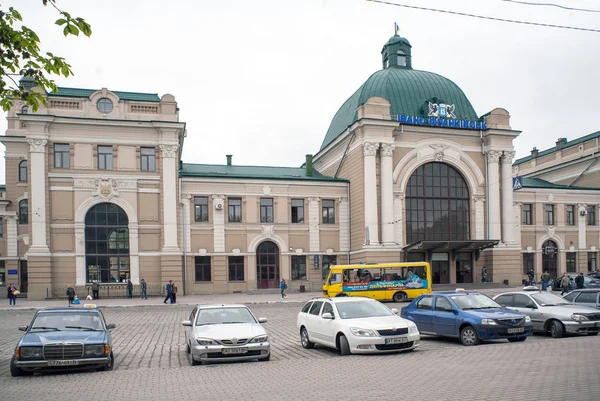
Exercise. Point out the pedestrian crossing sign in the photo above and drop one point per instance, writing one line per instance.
(517, 183)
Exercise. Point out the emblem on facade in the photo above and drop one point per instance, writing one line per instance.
(441, 110)
(106, 188)
(550, 231)
(439, 151)
(268, 231)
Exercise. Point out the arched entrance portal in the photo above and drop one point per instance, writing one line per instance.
(106, 244)
(550, 258)
(267, 265)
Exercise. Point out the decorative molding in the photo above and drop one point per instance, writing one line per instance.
(85, 184)
(267, 190)
(550, 198)
(478, 198)
(370, 148)
(313, 199)
(37, 145)
(508, 156)
(169, 151)
(493, 156)
(106, 188)
(551, 231)
(387, 149)
(268, 231)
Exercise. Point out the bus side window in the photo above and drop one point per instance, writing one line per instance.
(335, 278)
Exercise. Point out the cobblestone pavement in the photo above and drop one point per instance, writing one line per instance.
(151, 364)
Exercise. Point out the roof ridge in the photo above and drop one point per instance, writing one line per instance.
(553, 149)
(110, 90)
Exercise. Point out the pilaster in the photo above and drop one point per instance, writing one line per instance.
(479, 202)
(344, 226)
(507, 198)
(219, 223)
(493, 182)
(398, 219)
(169, 194)
(581, 225)
(314, 223)
(387, 193)
(37, 196)
(370, 194)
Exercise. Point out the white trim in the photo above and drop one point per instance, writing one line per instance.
(262, 181)
(556, 239)
(62, 254)
(66, 189)
(105, 174)
(253, 244)
(149, 253)
(148, 190)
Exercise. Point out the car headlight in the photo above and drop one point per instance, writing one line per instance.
(363, 332)
(31, 352)
(260, 339)
(206, 341)
(527, 319)
(577, 318)
(412, 328)
(94, 349)
(489, 322)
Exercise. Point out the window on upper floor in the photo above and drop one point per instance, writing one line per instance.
(201, 209)
(328, 206)
(23, 171)
(527, 214)
(401, 58)
(297, 210)
(105, 157)
(24, 211)
(62, 155)
(148, 159)
(235, 210)
(266, 210)
(591, 215)
(25, 110)
(549, 215)
(104, 105)
(570, 215)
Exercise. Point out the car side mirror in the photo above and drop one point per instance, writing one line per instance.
(394, 311)
(327, 315)
(455, 311)
(110, 326)
(262, 320)
(23, 328)
(186, 323)
(530, 305)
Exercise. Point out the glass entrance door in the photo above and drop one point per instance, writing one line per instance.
(464, 267)
(267, 265)
(440, 267)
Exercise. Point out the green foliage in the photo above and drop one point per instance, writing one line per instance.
(21, 56)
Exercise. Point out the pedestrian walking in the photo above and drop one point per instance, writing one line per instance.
(283, 287)
(129, 288)
(564, 283)
(168, 290)
(12, 298)
(173, 293)
(143, 286)
(483, 274)
(545, 280)
(70, 294)
(531, 276)
(579, 281)
(95, 289)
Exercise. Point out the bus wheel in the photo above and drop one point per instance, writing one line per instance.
(342, 294)
(400, 297)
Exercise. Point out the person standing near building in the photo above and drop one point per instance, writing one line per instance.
(564, 283)
(95, 289)
(545, 280)
(70, 294)
(168, 290)
(580, 280)
(12, 298)
(173, 293)
(143, 287)
(531, 276)
(483, 274)
(129, 288)
(283, 286)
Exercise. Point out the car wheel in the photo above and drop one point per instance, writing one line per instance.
(344, 346)
(517, 339)
(556, 329)
(306, 343)
(400, 297)
(15, 371)
(468, 336)
(110, 365)
(268, 358)
(194, 362)
(187, 348)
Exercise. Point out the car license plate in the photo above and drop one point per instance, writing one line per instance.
(516, 330)
(396, 340)
(63, 363)
(240, 350)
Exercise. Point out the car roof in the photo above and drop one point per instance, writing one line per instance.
(587, 290)
(221, 306)
(454, 293)
(81, 309)
(344, 299)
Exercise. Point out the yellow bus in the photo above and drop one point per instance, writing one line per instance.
(396, 282)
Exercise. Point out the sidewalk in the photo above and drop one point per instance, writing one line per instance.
(292, 297)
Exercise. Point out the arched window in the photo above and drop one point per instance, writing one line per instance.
(24, 211)
(550, 258)
(437, 204)
(25, 110)
(23, 171)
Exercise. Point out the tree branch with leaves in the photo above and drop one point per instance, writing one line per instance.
(21, 56)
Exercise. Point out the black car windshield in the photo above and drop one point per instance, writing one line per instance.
(67, 321)
(474, 301)
(361, 309)
(548, 299)
(224, 316)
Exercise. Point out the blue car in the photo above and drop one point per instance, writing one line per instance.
(469, 316)
(64, 338)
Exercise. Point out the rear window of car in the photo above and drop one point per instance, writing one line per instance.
(316, 307)
(307, 307)
(425, 303)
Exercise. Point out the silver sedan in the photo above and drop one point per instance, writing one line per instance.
(551, 313)
(218, 333)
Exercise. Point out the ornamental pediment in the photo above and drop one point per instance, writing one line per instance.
(105, 188)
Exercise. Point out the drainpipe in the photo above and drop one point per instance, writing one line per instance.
(183, 236)
(349, 223)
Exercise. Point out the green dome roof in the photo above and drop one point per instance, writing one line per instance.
(407, 90)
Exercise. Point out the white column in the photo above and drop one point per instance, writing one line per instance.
(479, 202)
(582, 225)
(344, 226)
(80, 254)
(37, 197)
(517, 226)
(493, 183)
(11, 236)
(219, 223)
(507, 198)
(313, 224)
(370, 173)
(169, 193)
(387, 193)
(398, 219)
(134, 253)
(187, 225)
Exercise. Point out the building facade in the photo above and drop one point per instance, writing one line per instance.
(96, 190)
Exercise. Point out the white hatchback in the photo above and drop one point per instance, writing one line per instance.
(355, 325)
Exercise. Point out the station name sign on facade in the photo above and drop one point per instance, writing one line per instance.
(441, 115)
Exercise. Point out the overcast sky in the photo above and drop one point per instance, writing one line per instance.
(262, 79)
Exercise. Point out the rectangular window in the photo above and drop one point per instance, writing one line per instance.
(297, 210)
(105, 157)
(1, 228)
(24, 211)
(328, 211)
(571, 262)
(298, 267)
(549, 215)
(328, 261)
(266, 210)
(236, 268)
(62, 155)
(592, 262)
(235, 210)
(202, 268)
(570, 215)
(528, 262)
(527, 214)
(591, 220)
(201, 209)
(148, 159)
(2, 273)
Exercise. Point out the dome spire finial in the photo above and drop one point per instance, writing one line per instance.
(396, 52)
(396, 29)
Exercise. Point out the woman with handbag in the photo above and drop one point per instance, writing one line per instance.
(12, 298)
